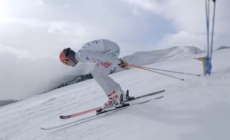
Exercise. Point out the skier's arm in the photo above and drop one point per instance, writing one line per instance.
(89, 56)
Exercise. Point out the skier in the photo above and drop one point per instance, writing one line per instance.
(104, 53)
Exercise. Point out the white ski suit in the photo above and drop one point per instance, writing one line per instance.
(104, 53)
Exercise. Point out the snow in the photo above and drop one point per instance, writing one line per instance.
(149, 57)
(223, 47)
(194, 109)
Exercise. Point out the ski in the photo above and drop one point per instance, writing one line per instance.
(94, 109)
(105, 113)
(127, 105)
(146, 95)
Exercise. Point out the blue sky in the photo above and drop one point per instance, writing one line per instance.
(33, 32)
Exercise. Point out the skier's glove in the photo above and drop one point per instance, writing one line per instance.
(123, 64)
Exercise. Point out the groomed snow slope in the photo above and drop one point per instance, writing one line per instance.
(194, 109)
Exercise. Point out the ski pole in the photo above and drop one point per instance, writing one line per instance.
(213, 25)
(164, 70)
(155, 71)
(207, 7)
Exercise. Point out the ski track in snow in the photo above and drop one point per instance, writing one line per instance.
(196, 109)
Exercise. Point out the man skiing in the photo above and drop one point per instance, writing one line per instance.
(104, 53)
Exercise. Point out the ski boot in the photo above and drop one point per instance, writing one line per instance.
(116, 100)
(127, 97)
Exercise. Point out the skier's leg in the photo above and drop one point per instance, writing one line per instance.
(111, 82)
(100, 74)
(110, 87)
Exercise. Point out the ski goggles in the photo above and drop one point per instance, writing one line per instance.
(66, 62)
(69, 62)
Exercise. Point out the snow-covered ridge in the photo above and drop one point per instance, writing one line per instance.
(223, 47)
(149, 57)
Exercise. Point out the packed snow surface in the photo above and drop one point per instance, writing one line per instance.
(194, 109)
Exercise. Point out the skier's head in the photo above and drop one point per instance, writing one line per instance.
(67, 57)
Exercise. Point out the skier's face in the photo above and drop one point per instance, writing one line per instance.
(70, 63)
(68, 58)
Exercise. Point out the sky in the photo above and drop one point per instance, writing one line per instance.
(33, 32)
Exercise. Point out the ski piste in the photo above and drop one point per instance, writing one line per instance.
(94, 109)
(108, 112)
